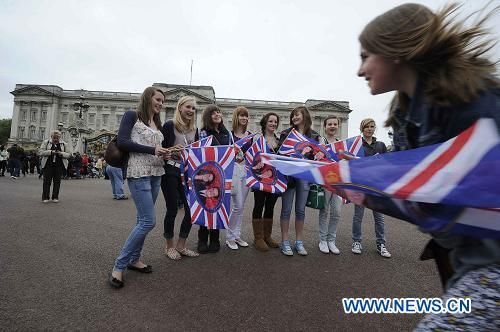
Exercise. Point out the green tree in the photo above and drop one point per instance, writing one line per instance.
(5, 130)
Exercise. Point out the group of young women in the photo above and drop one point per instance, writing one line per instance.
(443, 83)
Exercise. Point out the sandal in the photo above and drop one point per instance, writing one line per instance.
(172, 254)
(188, 253)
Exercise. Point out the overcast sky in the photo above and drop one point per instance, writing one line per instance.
(270, 49)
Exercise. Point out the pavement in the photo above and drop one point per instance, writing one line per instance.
(55, 259)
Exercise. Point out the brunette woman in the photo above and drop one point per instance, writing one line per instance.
(212, 125)
(300, 119)
(444, 83)
(140, 135)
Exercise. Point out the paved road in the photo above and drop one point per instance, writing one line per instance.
(55, 259)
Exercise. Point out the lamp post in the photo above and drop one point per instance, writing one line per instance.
(81, 107)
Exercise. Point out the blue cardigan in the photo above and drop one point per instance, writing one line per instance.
(124, 142)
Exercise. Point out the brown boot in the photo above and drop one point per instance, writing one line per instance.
(268, 230)
(258, 232)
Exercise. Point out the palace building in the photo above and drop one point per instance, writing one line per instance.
(88, 119)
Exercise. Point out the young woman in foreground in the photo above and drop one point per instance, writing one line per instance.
(443, 84)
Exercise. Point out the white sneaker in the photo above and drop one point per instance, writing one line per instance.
(55, 200)
(333, 248)
(323, 247)
(45, 201)
(241, 243)
(232, 245)
(356, 248)
(383, 251)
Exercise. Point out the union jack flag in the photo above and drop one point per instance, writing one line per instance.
(259, 175)
(207, 141)
(210, 173)
(300, 146)
(349, 148)
(243, 144)
(449, 187)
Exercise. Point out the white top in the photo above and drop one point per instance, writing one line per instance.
(143, 164)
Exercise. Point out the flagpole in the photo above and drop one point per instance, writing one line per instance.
(191, 77)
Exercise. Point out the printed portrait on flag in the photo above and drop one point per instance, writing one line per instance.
(209, 185)
(300, 146)
(263, 172)
(261, 176)
(311, 151)
(209, 178)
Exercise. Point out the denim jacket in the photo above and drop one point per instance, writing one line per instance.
(425, 125)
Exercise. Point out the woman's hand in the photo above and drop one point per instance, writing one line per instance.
(159, 151)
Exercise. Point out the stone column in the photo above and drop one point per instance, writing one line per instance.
(15, 120)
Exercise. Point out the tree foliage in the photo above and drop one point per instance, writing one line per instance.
(5, 130)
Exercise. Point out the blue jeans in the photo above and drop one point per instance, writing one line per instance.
(116, 178)
(356, 225)
(144, 192)
(328, 228)
(300, 193)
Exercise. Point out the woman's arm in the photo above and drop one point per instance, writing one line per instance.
(124, 141)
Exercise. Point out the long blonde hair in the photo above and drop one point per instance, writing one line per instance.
(446, 56)
(179, 123)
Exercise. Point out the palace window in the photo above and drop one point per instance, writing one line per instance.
(23, 115)
(41, 133)
(20, 133)
(32, 132)
(105, 118)
(92, 118)
(33, 115)
(119, 119)
(44, 116)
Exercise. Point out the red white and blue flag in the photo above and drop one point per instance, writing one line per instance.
(209, 174)
(449, 187)
(261, 176)
(207, 141)
(243, 144)
(350, 148)
(299, 146)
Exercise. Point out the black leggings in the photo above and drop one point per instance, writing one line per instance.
(264, 201)
(173, 190)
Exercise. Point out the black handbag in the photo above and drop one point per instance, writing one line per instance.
(115, 156)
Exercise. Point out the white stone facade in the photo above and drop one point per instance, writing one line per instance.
(38, 109)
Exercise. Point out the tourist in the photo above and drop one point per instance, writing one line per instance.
(297, 189)
(444, 83)
(140, 135)
(55, 155)
(179, 132)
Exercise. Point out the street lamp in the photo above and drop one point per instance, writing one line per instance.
(81, 107)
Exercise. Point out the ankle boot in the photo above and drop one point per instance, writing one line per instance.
(203, 240)
(258, 233)
(214, 245)
(268, 230)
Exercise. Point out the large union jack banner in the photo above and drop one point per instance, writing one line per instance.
(261, 176)
(347, 149)
(209, 174)
(451, 187)
(300, 146)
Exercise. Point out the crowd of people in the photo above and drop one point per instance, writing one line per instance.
(16, 162)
